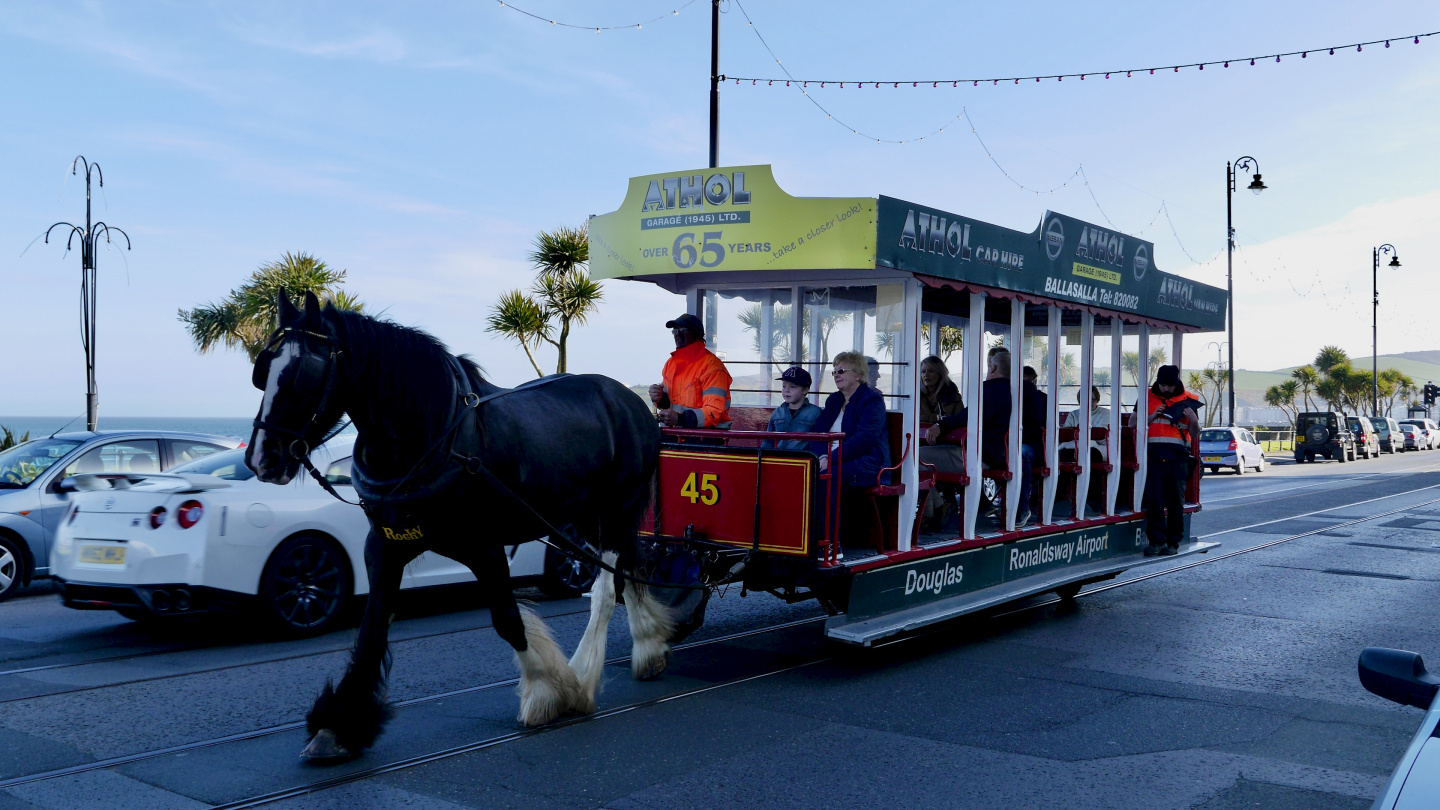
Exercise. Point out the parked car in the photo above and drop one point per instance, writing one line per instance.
(1401, 677)
(1231, 447)
(1387, 431)
(1323, 433)
(1428, 429)
(31, 502)
(211, 537)
(1414, 439)
(1367, 442)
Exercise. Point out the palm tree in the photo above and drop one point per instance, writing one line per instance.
(1282, 396)
(1069, 372)
(1395, 386)
(246, 316)
(521, 319)
(1330, 357)
(750, 318)
(563, 292)
(1307, 379)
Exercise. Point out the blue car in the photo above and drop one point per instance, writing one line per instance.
(32, 500)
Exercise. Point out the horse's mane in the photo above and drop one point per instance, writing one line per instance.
(405, 368)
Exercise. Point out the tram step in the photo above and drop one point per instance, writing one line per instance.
(871, 629)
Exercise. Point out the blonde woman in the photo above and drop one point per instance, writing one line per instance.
(858, 411)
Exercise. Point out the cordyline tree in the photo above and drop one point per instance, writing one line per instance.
(245, 317)
(562, 296)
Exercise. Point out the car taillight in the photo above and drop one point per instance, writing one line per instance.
(1232, 444)
(74, 510)
(157, 517)
(189, 514)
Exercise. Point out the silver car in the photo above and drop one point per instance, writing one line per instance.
(1232, 447)
(32, 501)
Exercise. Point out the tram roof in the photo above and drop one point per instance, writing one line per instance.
(737, 219)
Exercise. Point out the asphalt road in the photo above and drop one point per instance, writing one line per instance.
(1226, 684)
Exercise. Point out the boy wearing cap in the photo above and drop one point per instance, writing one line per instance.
(696, 388)
(797, 414)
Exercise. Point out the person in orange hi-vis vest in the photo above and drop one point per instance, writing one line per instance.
(696, 388)
(1173, 424)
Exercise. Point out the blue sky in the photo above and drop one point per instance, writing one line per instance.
(420, 146)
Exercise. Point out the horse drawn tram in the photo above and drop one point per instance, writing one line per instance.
(780, 281)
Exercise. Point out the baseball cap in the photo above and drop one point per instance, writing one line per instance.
(687, 321)
(796, 375)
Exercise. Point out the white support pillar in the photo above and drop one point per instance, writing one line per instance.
(935, 342)
(1014, 432)
(1117, 388)
(767, 341)
(905, 379)
(1177, 342)
(1052, 414)
(1082, 439)
(974, 353)
(1142, 424)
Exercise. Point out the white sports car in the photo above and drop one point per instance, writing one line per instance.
(209, 536)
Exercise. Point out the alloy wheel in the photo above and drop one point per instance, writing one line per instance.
(9, 569)
(308, 586)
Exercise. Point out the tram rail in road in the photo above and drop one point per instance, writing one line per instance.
(330, 779)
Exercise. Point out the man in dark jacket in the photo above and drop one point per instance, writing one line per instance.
(994, 424)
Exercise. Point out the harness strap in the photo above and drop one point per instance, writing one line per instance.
(475, 467)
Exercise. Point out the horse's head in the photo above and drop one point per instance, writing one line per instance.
(299, 371)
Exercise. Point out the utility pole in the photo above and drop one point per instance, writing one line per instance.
(88, 300)
(714, 83)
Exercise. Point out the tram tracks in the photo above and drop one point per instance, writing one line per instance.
(127, 759)
(473, 746)
(201, 671)
(503, 739)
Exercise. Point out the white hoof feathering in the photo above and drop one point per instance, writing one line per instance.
(548, 686)
(651, 627)
(589, 658)
(324, 745)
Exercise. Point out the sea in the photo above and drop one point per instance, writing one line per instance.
(237, 427)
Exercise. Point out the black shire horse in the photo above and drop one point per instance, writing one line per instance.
(447, 462)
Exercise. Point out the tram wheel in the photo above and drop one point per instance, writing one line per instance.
(1068, 592)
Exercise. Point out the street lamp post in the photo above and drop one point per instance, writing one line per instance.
(88, 237)
(1243, 164)
(1389, 250)
(1220, 367)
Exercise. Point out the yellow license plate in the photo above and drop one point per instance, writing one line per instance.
(105, 555)
(1207, 458)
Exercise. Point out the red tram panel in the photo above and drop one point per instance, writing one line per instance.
(713, 493)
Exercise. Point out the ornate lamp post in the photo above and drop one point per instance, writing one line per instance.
(1389, 250)
(88, 236)
(1242, 164)
(1219, 366)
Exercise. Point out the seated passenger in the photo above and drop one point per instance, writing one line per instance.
(872, 378)
(994, 425)
(1099, 451)
(696, 388)
(858, 412)
(796, 415)
(939, 398)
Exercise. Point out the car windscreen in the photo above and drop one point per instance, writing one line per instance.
(229, 465)
(1215, 436)
(24, 463)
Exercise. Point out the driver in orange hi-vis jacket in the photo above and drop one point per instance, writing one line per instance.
(696, 388)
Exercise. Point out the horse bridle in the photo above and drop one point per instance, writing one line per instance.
(315, 380)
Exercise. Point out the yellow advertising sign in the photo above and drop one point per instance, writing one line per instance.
(734, 218)
(1090, 271)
